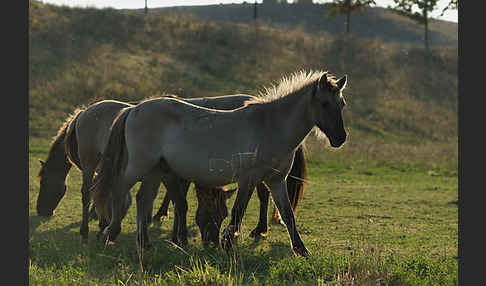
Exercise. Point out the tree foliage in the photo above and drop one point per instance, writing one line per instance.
(409, 9)
(346, 7)
(406, 8)
(453, 5)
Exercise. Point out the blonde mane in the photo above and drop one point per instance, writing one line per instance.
(289, 84)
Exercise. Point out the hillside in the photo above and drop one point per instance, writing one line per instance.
(395, 95)
(373, 22)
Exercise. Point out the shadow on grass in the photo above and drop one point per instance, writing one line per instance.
(62, 247)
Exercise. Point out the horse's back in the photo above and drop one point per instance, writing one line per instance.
(196, 142)
(93, 127)
(225, 102)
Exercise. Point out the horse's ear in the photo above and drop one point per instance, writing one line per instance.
(322, 82)
(41, 162)
(229, 194)
(341, 83)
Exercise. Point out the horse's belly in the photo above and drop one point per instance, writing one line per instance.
(208, 159)
(203, 169)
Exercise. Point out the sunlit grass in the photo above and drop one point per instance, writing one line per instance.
(362, 221)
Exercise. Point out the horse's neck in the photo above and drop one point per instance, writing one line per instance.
(58, 161)
(291, 118)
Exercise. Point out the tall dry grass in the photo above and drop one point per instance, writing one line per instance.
(401, 100)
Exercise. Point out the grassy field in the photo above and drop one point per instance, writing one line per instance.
(382, 210)
(366, 221)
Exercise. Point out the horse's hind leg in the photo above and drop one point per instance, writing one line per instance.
(145, 203)
(263, 196)
(245, 190)
(119, 204)
(163, 211)
(86, 199)
(177, 191)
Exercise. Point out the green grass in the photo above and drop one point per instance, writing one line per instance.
(366, 222)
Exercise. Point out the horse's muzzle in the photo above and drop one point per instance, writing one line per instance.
(338, 142)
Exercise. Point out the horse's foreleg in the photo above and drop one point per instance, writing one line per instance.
(276, 219)
(245, 190)
(163, 210)
(92, 213)
(145, 202)
(281, 199)
(263, 196)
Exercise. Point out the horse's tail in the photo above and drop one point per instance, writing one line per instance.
(296, 179)
(111, 165)
(70, 141)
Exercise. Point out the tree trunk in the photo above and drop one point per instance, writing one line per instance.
(255, 11)
(348, 18)
(426, 26)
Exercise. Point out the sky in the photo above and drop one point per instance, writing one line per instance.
(450, 15)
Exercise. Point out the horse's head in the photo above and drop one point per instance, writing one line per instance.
(211, 212)
(52, 189)
(328, 104)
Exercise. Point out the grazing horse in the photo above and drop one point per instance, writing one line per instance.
(248, 145)
(81, 140)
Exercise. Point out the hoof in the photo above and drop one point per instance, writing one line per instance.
(180, 242)
(158, 218)
(164, 218)
(258, 234)
(301, 251)
(227, 239)
(84, 240)
(210, 244)
(105, 236)
(109, 243)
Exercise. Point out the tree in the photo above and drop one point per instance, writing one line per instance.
(406, 7)
(339, 7)
(453, 4)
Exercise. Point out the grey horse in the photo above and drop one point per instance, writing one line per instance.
(248, 145)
